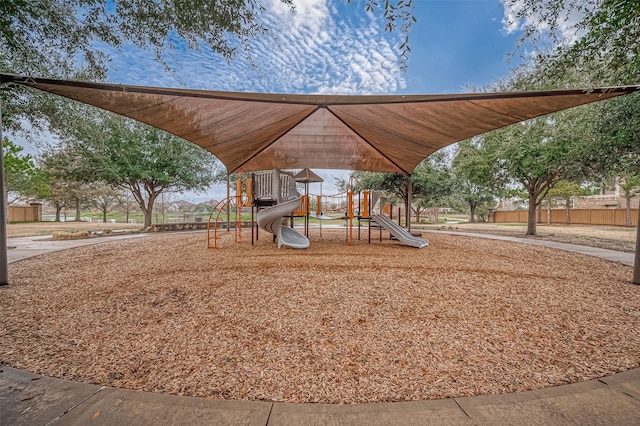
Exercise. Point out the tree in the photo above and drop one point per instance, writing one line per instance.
(72, 38)
(631, 187)
(628, 174)
(478, 179)
(430, 183)
(617, 127)
(41, 37)
(104, 197)
(604, 40)
(392, 183)
(19, 169)
(66, 180)
(538, 154)
(141, 159)
(57, 197)
(614, 151)
(433, 182)
(564, 190)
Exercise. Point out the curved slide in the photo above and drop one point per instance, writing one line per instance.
(270, 219)
(399, 232)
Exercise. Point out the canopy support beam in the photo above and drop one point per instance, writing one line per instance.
(409, 201)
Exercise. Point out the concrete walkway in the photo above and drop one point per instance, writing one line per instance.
(615, 256)
(24, 247)
(30, 399)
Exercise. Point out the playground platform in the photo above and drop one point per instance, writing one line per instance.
(28, 399)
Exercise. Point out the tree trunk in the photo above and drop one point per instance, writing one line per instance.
(78, 213)
(58, 210)
(148, 211)
(147, 218)
(472, 212)
(104, 214)
(531, 216)
(436, 214)
(548, 211)
(567, 212)
(539, 220)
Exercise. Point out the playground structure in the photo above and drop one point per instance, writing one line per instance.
(273, 199)
(271, 196)
(360, 204)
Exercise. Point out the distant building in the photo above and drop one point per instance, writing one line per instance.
(612, 198)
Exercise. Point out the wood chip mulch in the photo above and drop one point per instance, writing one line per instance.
(333, 323)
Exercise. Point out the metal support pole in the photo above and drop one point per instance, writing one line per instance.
(409, 201)
(228, 202)
(4, 263)
(636, 263)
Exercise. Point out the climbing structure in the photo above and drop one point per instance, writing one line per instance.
(228, 213)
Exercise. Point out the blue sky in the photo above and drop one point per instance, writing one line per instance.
(330, 46)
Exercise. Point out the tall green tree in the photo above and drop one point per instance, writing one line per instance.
(433, 182)
(538, 154)
(479, 178)
(66, 179)
(19, 171)
(104, 198)
(143, 160)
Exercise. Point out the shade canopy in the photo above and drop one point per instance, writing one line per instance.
(307, 176)
(255, 131)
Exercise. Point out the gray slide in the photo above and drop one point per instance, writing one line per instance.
(399, 232)
(270, 219)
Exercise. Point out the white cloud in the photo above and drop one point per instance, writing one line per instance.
(314, 50)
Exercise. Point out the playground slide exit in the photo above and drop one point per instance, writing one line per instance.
(270, 219)
(399, 232)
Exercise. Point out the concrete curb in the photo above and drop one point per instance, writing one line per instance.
(28, 399)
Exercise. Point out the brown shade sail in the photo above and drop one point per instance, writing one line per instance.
(255, 131)
(307, 176)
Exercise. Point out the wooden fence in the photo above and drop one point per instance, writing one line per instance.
(615, 217)
(30, 213)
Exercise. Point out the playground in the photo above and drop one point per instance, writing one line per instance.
(275, 202)
(300, 317)
(371, 323)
